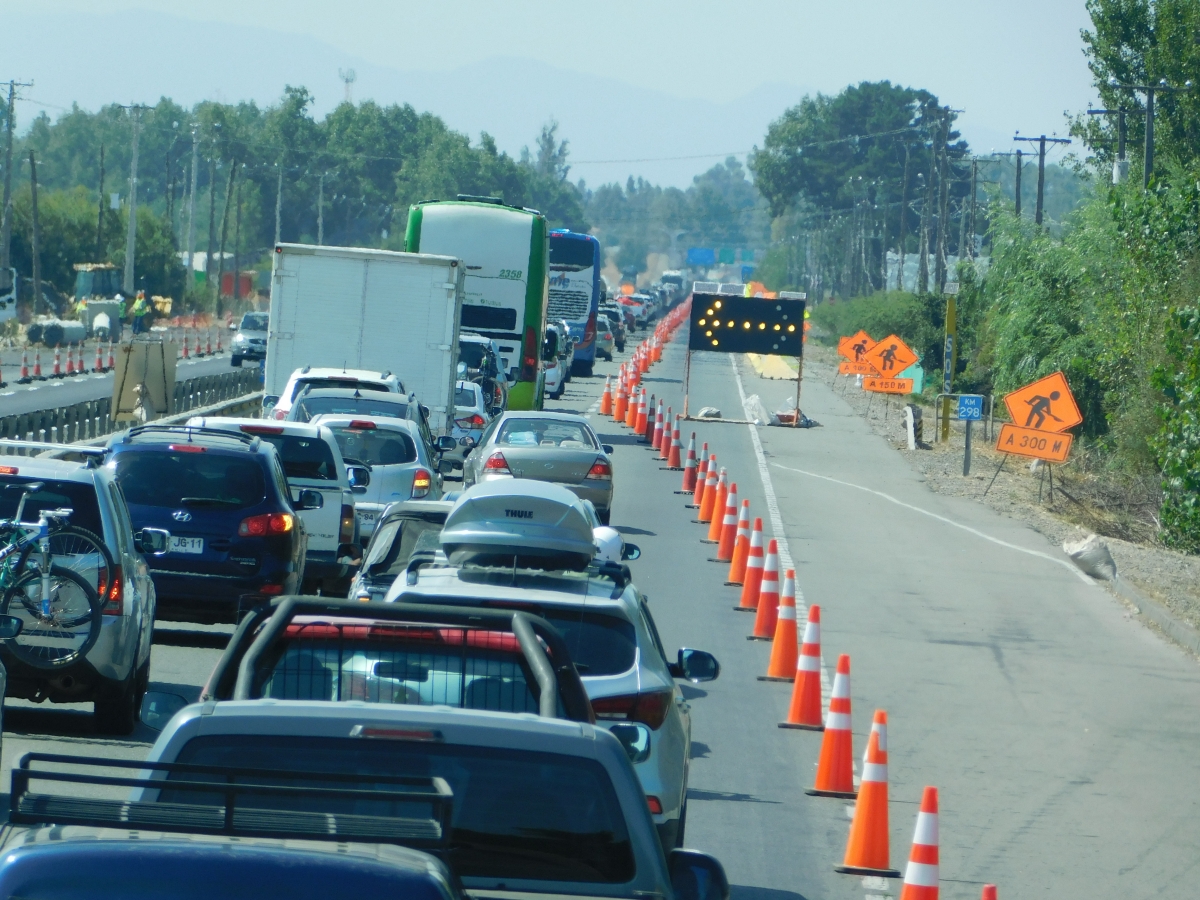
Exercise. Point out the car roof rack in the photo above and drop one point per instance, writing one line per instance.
(554, 673)
(252, 441)
(618, 573)
(224, 801)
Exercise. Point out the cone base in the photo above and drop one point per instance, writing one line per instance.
(776, 678)
(859, 870)
(718, 559)
(707, 541)
(755, 637)
(687, 493)
(752, 609)
(840, 795)
(734, 583)
(671, 469)
(797, 726)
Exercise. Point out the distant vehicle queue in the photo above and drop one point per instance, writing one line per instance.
(518, 725)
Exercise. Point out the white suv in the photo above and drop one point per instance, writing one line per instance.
(310, 377)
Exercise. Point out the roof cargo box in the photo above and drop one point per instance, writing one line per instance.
(529, 524)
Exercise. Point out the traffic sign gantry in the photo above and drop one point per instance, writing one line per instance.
(890, 357)
(1041, 413)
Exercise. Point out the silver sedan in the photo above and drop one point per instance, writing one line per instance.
(545, 446)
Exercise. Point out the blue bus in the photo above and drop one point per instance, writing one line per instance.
(575, 291)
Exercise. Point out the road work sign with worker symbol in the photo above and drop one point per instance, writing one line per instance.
(854, 350)
(1041, 413)
(889, 358)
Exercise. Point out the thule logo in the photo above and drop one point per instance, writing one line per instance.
(519, 513)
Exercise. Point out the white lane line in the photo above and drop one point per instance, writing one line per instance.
(987, 537)
(785, 555)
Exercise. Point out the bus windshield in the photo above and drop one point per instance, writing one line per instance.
(575, 287)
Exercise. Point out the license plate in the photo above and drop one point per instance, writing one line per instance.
(187, 545)
(368, 517)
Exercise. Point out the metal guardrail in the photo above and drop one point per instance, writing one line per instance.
(230, 394)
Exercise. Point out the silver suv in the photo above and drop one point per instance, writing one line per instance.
(250, 342)
(114, 674)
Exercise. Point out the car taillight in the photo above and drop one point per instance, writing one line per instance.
(529, 356)
(186, 448)
(114, 593)
(608, 336)
(271, 589)
(475, 421)
(422, 480)
(649, 708)
(655, 804)
(266, 524)
(262, 429)
(497, 463)
(346, 534)
(600, 470)
(364, 424)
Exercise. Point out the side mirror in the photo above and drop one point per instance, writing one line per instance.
(635, 738)
(359, 476)
(155, 541)
(607, 448)
(159, 708)
(631, 551)
(349, 554)
(309, 500)
(468, 442)
(447, 467)
(269, 402)
(696, 666)
(697, 876)
(10, 627)
(446, 443)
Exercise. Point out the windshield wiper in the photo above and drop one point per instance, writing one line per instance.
(209, 501)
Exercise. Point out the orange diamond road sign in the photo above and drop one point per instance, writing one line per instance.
(1046, 405)
(855, 347)
(890, 357)
(888, 385)
(1050, 446)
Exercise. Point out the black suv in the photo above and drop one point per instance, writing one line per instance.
(235, 535)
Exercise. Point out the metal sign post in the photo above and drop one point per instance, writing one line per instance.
(948, 361)
(970, 410)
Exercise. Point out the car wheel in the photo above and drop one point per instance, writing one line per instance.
(117, 704)
(235, 361)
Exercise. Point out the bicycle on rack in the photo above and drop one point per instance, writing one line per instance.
(58, 606)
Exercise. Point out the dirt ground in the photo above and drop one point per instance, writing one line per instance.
(1081, 503)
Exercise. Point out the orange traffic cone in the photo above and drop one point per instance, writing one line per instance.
(782, 666)
(631, 413)
(645, 420)
(606, 400)
(71, 360)
(57, 371)
(689, 468)
(197, 350)
(921, 875)
(112, 360)
(208, 342)
(219, 348)
(676, 447)
(741, 546)
(25, 377)
(717, 522)
(664, 443)
(867, 850)
(99, 366)
(622, 402)
(656, 435)
(710, 491)
(729, 525)
(186, 353)
(768, 596)
(835, 769)
(37, 366)
(752, 579)
(701, 478)
(805, 711)
(989, 892)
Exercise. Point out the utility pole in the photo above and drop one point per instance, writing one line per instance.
(190, 242)
(1020, 166)
(212, 219)
(37, 236)
(927, 216)
(974, 195)
(1150, 90)
(131, 235)
(100, 212)
(224, 231)
(279, 203)
(6, 211)
(1041, 189)
(321, 209)
(237, 244)
(1121, 164)
(903, 222)
(943, 201)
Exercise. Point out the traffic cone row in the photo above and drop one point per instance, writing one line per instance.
(755, 567)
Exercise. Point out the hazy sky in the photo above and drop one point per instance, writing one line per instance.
(1011, 66)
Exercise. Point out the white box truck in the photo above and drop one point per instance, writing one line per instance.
(345, 307)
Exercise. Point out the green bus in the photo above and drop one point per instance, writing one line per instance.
(505, 250)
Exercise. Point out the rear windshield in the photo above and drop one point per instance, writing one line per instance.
(375, 446)
(193, 480)
(394, 541)
(351, 406)
(348, 383)
(254, 322)
(545, 433)
(73, 495)
(303, 457)
(488, 318)
(465, 397)
(474, 355)
(386, 663)
(599, 644)
(517, 813)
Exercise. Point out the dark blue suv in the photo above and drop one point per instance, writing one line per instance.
(235, 535)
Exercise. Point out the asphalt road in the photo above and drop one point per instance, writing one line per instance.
(21, 398)
(1060, 733)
